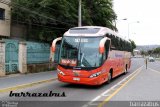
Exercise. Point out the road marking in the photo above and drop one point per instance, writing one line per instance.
(117, 90)
(26, 85)
(106, 93)
(155, 70)
(96, 98)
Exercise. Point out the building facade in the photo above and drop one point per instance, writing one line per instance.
(5, 18)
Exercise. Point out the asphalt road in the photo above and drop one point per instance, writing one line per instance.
(75, 95)
(142, 89)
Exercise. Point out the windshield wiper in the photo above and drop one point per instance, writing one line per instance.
(82, 56)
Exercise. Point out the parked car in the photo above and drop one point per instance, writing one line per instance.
(151, 59)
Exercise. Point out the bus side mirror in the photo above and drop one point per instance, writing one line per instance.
(54, 43)
(102, 45)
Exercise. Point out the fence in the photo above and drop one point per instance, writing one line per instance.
(19, 56)
(37, 52)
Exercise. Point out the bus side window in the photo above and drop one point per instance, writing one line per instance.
(107, 47)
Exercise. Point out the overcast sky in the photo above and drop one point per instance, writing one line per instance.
(147, 12)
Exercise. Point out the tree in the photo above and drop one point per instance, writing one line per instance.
(101, 12)
(133, 45)
(156, 51)
(143, 53)
(54, 17)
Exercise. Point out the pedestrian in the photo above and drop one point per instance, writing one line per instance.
(146, 62)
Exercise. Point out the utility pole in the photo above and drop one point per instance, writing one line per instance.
(80, 14)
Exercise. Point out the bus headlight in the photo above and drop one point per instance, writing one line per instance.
(95, 75)
(60, 72)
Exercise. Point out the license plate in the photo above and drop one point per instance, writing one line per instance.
(76, 79)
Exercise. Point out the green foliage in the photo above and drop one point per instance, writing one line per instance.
(100, 13)
(156, 51)
(144, 53)
(133, 45)
(47, 19)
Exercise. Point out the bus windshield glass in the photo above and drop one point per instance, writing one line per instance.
(80, 52)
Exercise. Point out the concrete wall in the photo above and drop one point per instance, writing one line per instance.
(33, 68)
(22, 57)
(6, 23)
(2, 58)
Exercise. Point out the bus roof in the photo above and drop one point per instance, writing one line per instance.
(90, 31)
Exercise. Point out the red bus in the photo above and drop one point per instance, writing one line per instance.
(92, 55)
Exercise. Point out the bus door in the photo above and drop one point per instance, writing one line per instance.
(105, 52)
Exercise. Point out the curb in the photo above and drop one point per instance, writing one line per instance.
(26, 85)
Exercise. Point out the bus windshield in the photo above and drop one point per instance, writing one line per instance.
(80, 52)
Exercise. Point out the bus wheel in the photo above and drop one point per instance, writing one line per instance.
(109, 77)
(125, 70)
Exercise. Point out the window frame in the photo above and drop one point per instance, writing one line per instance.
(2, 14)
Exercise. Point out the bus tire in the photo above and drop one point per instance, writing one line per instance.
(126, 69)
(109, 77)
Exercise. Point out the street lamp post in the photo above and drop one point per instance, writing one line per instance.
(119, 20)
(129, 27)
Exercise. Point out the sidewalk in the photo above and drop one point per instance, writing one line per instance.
(21, 79)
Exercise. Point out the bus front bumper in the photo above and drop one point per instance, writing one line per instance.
(79, 80)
